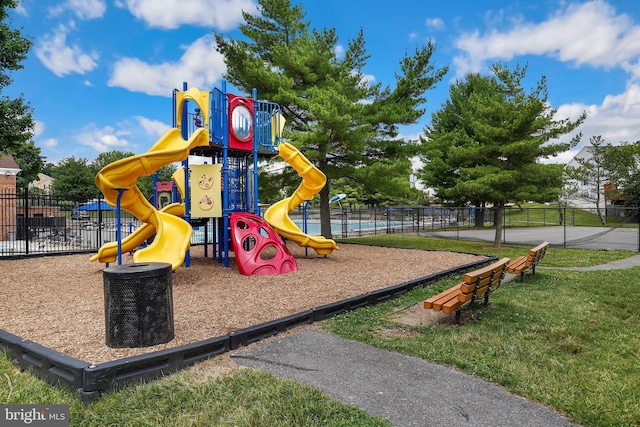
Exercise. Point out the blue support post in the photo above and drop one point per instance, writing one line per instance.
(155, 190)
(185, 167)
(119, 224)
(256, 146)
(305, 211)
(225, 175)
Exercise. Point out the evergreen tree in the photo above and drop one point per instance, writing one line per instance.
(16, 122)
(485, 144)
(338, 120)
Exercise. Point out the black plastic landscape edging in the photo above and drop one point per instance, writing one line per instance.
(90, 381)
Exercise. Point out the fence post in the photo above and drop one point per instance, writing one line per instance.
(27, 232)
(100, 224)
(388, 220)
(375, 220)
(564, 227)
(504, 223)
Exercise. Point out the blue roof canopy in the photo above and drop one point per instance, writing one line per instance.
(95, 206)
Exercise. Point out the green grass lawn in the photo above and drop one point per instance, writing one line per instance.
(243, 398)
(567, 339)
(556, 257)
(570, 340)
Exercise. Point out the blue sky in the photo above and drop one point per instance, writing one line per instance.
(101, 72)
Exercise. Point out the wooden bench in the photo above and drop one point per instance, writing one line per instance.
(522, 263)
(476, 284)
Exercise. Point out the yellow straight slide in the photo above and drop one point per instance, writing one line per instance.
(173, 234)
(313, 180)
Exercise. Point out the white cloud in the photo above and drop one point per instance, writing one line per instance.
(50, 142)
(170, 14)
(54, 53)
(339, 51)
(21, 9)
(152, 127)
(586, 34)
(102, 140)
(200, 65)
(39, 128)
(582, 34)
(616, 119)
(368, 78)
(83, 9)
(435, 23)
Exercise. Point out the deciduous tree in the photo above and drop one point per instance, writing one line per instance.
(145, 183)
(16, 122)
(31, 163)
(75, 180)
(594, 171)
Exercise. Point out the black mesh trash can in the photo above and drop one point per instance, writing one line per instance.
(138, 304)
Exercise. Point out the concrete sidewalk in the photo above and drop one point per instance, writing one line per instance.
(602, 238)
(632, 261)
(406, 390)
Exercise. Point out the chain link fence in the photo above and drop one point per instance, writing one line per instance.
(612, 227)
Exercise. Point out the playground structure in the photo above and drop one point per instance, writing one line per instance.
(234, 132)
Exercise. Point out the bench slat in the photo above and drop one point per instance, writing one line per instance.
(475, 284)
(441, 302)
(435, 302)
(533, 258)
(451, 306)
(479, 292)
(517, 264)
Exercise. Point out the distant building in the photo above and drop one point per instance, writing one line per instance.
(8, 168)
(43, 182)
(587, 191)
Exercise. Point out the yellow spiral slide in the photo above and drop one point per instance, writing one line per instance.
(313, 180)
(173, 234)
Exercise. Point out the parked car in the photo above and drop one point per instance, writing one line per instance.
(80, 215)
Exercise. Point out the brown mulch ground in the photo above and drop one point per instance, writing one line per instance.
(59, 301)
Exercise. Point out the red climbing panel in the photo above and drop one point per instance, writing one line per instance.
(259, 249)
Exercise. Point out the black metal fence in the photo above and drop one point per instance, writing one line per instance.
(42, 224)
